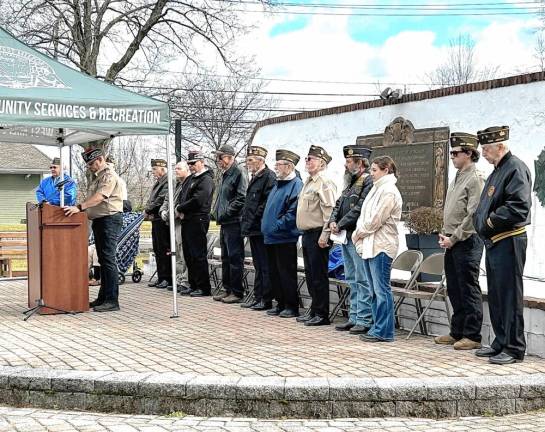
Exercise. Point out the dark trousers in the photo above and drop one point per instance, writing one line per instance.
(262, 282)
(160, 237)
(283, 273)
(106, 231)
(232, 258)
(194, 247)
(462, 265)
(316, 266)
(504, 267)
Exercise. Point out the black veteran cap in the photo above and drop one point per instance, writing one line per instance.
(462, 139)
(319, 152)
(56, 161)
(91, 154)
(287, 155)
(159, 163)
(357, 151)
(257, 151)
(194, 155)
(493, 134)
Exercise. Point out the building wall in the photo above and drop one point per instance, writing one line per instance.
(15, 191)
(519, 106)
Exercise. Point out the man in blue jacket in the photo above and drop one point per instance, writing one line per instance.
(280, 234)
(47, 190)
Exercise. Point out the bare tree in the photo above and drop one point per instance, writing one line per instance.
(460, 66)
(215, 111)
(103, 37)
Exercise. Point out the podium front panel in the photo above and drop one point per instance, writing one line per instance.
(64, 275)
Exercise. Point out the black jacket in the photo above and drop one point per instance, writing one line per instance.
(157, 197)
(230, 199)
(505, 201)
(195, 199)
(348, 207)
(256, 200)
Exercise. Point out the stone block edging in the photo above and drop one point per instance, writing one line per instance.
(270, 397)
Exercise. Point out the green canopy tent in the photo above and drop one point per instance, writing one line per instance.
(45, 102)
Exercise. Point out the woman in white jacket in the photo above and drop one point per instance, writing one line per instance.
(376, 240)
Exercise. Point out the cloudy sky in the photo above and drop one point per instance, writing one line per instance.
(347, 42)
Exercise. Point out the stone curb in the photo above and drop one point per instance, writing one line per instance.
(267, 397)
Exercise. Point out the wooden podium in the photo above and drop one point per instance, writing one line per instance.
(58, 276)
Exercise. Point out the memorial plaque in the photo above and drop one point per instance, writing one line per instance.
(421, 156)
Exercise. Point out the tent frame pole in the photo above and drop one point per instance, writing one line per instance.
(60, 140)
(171, 227)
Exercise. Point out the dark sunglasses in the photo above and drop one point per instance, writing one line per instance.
(192, 163)
(455, 152)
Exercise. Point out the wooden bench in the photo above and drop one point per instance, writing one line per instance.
(13, 246)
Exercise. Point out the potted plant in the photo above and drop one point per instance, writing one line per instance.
(424, 224)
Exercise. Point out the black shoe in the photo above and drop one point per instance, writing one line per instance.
(162, 285)
(369, 338)
(503, 359)
(304, 318)
(486, 352)
(288, 313)
(261, 306)
(185, 291)
(357, 329)
(153, 284)
(96, 302)
(317, 321)
(198, 293)
(107, 307)
(274, 311)
(344, 326)
(249, 304)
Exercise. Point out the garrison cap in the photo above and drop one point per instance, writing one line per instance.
(493, 134)
(56, 161)
(319, 152)
(287, 155)
(463, 139)
(159, 163)
(357, 151)
(257, 151)
(91, 154)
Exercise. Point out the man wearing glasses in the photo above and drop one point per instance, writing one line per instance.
(314, 209)
(500, 220)
(194, 204)
(104, 206)
(48, 191)
(280, 234)
(228, 212)
(463, 247)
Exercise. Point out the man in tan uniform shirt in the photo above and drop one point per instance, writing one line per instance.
(316, 202)
(103, 206)
(463, 247)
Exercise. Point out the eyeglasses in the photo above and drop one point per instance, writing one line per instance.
(281, 163)
(308, 159)
(192, 163)
(455, 152)
(52, 167)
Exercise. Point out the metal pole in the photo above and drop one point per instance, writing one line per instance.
(60, 139)
(171, 205)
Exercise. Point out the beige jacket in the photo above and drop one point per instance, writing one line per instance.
(376, 229)
(316, 202)
(463, 197)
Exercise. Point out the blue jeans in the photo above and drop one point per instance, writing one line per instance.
(106, 231)
(361, 295)
(378, 271)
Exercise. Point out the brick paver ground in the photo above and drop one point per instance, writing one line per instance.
(212, 338)
(31, 420)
